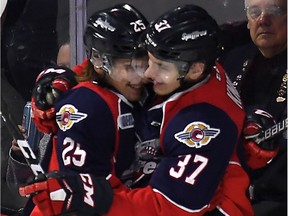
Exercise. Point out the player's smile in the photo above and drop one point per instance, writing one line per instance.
(135, 88)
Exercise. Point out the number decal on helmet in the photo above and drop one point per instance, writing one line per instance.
(162, 25)
(138, 25)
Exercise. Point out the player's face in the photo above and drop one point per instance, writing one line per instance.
(164, 75)
(267, 22)
(127, 76)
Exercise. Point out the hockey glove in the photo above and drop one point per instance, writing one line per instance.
(78, 194)
(259, 146)
(50, 83)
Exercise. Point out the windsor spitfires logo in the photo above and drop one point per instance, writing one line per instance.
(197, 134)
(67, 116)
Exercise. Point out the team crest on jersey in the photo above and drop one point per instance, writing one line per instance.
(197, 134)
(67, 116)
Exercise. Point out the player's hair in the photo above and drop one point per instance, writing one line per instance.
(187, 33)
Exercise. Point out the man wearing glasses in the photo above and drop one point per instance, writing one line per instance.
(259, 72)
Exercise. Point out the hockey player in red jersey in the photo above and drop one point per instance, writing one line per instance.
(199, 118)
(95, 131)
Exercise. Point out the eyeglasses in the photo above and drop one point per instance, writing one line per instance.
(275, 11)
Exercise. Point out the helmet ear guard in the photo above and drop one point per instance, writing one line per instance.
(182, 67)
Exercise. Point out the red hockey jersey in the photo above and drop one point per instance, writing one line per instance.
(199, 171)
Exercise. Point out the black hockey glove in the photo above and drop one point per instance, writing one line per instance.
(78, 194)
(50, 83)
(259, 144)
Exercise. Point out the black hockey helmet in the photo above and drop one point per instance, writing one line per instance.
(187, 33)
(115, 31)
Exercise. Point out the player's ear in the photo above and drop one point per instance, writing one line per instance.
(195, 71)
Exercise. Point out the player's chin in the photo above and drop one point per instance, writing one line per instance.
(159, 90)
(133, 98)
(134, 93)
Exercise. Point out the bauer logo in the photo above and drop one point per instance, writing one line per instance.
(67, 116)
(197, 134)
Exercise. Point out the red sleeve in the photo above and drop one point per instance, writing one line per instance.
(53, 164)
(233, 200)
(146, 201)
(78, 69)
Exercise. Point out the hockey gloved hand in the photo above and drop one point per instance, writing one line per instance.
(259, 143)
(50, 83)
(73, 194)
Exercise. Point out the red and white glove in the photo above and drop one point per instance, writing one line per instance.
(50, 83)
(258, 150)
(78, 194)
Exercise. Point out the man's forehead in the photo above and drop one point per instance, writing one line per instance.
(267, 2)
